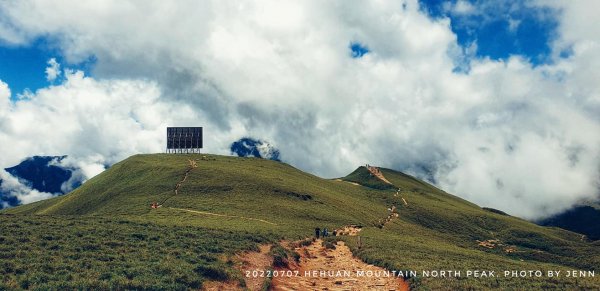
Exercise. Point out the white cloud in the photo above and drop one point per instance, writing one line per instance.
(506, 135)
(13, 187)
(53, 70)
(95, 122)
(4, 98)
(463, 7)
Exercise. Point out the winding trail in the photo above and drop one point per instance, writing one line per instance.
(319, 268)
(353, 183)
(315, 259)
(191, 166)
(222, 215)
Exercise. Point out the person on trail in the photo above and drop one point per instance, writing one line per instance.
(335, 232)
(325, 232)
(317, 232)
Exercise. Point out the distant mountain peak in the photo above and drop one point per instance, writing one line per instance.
(45, 174)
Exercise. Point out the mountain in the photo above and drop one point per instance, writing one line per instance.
(250, 147)
(41, 173)
(214, 207)
(583, 219)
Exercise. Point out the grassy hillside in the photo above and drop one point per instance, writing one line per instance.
(440, 231)
(233, 204)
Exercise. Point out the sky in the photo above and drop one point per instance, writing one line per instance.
(495, 101)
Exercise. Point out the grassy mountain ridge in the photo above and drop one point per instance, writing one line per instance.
(254, 201)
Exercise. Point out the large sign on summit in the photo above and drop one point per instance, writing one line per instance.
(184, 139)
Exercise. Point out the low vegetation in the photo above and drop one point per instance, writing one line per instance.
(68, 252)
(105, 235)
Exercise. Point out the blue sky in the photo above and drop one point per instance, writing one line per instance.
(23, 67)
(358, 50)
(500, 28)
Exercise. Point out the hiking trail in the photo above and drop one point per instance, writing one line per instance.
(190, 167)
(349, 230)
(316, 258)
(251, 261)
(222, 215)
(375, 171)
(246, 262)
(353, 183)
(393, 214)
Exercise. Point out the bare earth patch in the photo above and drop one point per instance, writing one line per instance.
(316, 258)
(218, 286)
(251, 261)
(247, 261)
(377, 173)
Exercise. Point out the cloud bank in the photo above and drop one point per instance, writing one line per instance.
(506, 134)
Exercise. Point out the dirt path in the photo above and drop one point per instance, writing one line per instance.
(247, 261)
(316, 258)
(389, 218)
(353, 183)
(220, 286)
(192, 165)
(251, 261)
(377, 173)
(222, 215)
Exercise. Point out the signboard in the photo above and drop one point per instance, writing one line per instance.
(184, 139)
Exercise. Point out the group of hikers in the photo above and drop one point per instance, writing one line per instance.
(323, 233)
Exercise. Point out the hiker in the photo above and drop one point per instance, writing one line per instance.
(325, 232)
(317, 232)
(335, 232)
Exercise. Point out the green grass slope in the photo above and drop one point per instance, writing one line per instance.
(440, 231)
(246, 201)
(247, 187)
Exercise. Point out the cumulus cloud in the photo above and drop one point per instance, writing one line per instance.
(97, 123)
(53, 70)
(505, 134)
